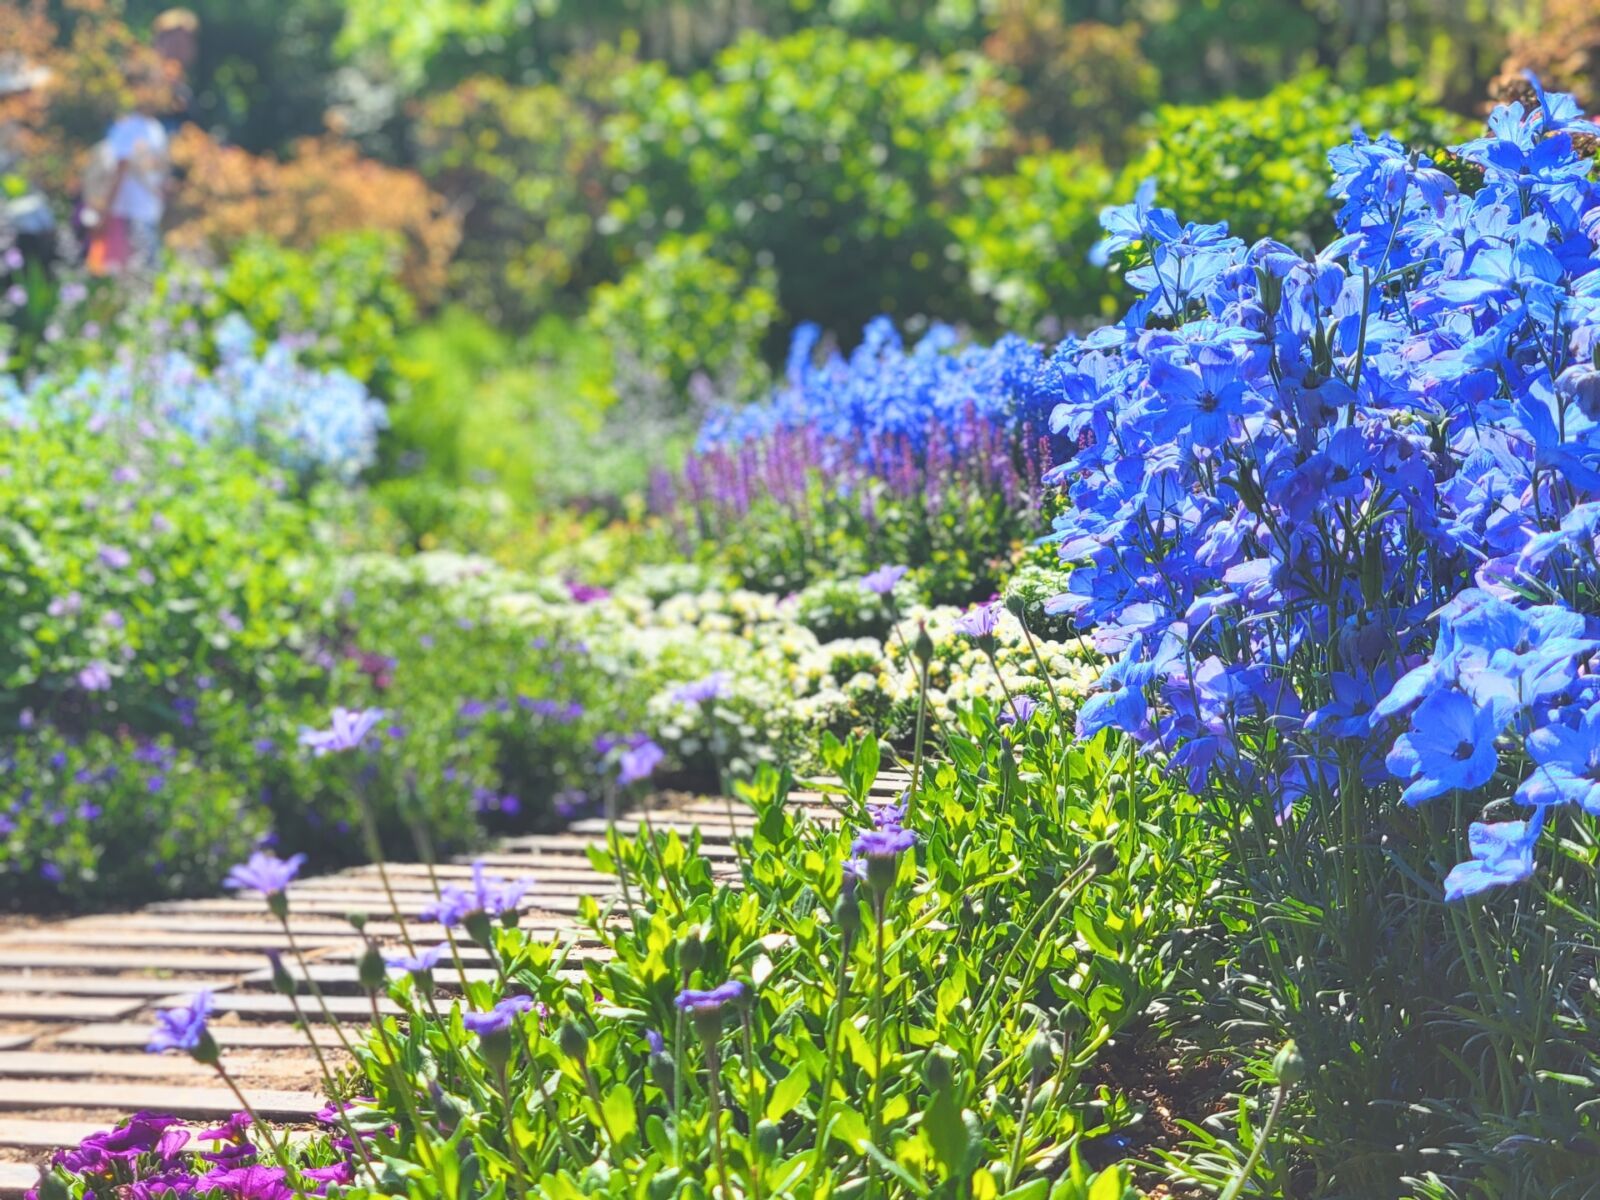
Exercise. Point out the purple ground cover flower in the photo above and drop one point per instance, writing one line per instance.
(348, 729)
(115, 557)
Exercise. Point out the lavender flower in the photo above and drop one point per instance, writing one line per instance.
(881, 582)
(115, 557)
(349, 729)
(265, 873)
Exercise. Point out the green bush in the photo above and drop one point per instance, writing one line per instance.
(525, 167)
(835, 159)
(657, 319)
(106, 819)
(137, 563)
(1025, 238)
(1261, 164)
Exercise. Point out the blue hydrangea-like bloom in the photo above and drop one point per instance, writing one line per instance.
(264, 872)
(307, 421)
(711, 1002)
(500, 1018)
(882, 581)
(182, 1028)
(349, 728)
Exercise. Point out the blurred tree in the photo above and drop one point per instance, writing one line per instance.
(1080, 84)
(266, 72)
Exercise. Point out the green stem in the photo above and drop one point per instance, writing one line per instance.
(835, 1029)
(316, 990)
(1250, 1163)
(875, 1123)
(280, 1149)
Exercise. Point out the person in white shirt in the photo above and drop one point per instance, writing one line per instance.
(135, 150)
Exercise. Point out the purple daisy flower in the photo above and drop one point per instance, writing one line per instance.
(183, 1027)
(708, 1003)
(881, 582)
(498, 1019)
(265, 873)
(348, 730)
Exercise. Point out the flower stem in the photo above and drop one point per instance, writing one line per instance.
(835, 1029)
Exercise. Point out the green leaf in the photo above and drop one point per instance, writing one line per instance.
(947, 1131)
(788, 1093)
(621, 1117)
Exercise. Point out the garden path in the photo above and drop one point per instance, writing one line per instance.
(77, 997)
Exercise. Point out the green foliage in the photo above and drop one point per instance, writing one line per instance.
(1262, 165)
(833, 158)
(343, 301)
(122, 818)
(148, 559)
(493, 429)
(525, 165)
(939, 1026)
(1025, 237)
(656, 318)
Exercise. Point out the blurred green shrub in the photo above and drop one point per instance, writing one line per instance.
(111, 818)
(687, 313)
(138, 562)
(1262, 164)
(1025, 238)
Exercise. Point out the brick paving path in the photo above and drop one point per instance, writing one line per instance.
(77, 997)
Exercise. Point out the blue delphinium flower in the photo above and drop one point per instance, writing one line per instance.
(1502, 853)
(1450, 746)
(1566, 763)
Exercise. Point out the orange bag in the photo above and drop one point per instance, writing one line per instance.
(109, 247)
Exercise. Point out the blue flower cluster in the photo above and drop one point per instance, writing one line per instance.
(305, 420)
(1337, 517)
(885, 395)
